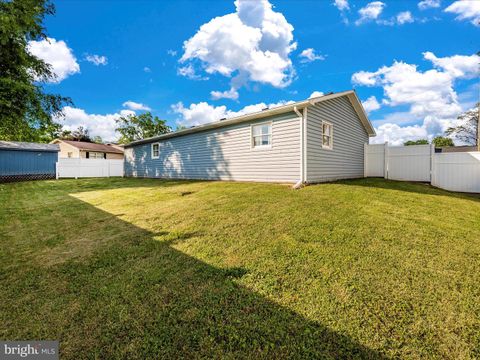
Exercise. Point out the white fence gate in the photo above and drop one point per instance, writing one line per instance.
(81, 168)
(450, 171)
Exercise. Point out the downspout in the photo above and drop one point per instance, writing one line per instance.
(300, 182)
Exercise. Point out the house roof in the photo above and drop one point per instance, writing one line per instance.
(83, 145)
(27, 146)
(352, 96)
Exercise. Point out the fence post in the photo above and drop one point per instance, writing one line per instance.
(365, 160)
(77, 173)
(432, 164)
(385, 165)
(108, 168)
(56, 171)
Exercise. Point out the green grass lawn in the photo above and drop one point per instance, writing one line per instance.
(132, 268)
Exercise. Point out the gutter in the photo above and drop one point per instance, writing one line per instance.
(300, 182)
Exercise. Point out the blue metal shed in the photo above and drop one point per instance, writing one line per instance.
(27, 161)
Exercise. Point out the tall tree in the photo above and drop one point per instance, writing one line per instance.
(81, 134)
(26, 110)
(136, 127)
(467, 131)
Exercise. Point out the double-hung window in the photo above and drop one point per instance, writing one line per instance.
(155, 151)
(327, 135)
(262, 135)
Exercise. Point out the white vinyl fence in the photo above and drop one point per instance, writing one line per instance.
(457, 171)
(450, 171)
(81, 168)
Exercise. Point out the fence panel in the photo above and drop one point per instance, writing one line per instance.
(375, 160)
(457, 171)
(409, 163)
(80, 168)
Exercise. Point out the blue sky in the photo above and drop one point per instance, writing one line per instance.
(192, 62)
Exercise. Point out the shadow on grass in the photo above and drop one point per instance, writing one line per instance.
(139, 297)
(407, 186)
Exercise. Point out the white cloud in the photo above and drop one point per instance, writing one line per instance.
(341, 5)
(404, 17)
(58, 55)
(172, 52)
(370, 12)
(147, 69)
(189, 72)
(203, 113)
(429, 95)
(252, 44)
(309, 55)
(229, 94)
(397, 135)
(97, 125)
(315, 94)
(97, 59)
(132, 105)
(371, 104)
(458, 66)
(466, 10)
(428, 4)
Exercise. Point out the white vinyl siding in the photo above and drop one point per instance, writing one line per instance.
(345, 159)
(224, 154)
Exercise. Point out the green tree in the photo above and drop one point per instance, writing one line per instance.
(416, 142)
(440, 141)
(467, 131)
(97, 139)
(136, 127)
(81, 134)
(26, 110)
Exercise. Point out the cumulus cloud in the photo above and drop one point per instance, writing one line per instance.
(466, 10)
(97, 59)
(147, 69)
(58, 55)
(309, 55)
(428, 4)
(203, 113)
(371, 104)
(315, 94)
(370, 12)
(229, 94)
(252, 44)
(429, 95)
(97, 125)
(341, 5)
(132, 105)
(404, 17)
(188, 71)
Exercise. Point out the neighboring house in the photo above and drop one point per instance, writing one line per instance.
(315, 140)
(27, 161)
(87, 150)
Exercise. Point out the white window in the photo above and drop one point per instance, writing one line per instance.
(155, 151)
(262, 135)
(95, 155)
(327, 135)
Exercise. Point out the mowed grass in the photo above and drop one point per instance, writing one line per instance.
(137, 268)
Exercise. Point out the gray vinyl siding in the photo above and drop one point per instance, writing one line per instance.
(223, 154)
(345, 160)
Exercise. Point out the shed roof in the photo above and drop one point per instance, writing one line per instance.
(352, 96)
(27, 146)
(83, 145)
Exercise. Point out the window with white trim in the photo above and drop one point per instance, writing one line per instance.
(155, 151)
(327, 135)
(96, 155)
(262, 135)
